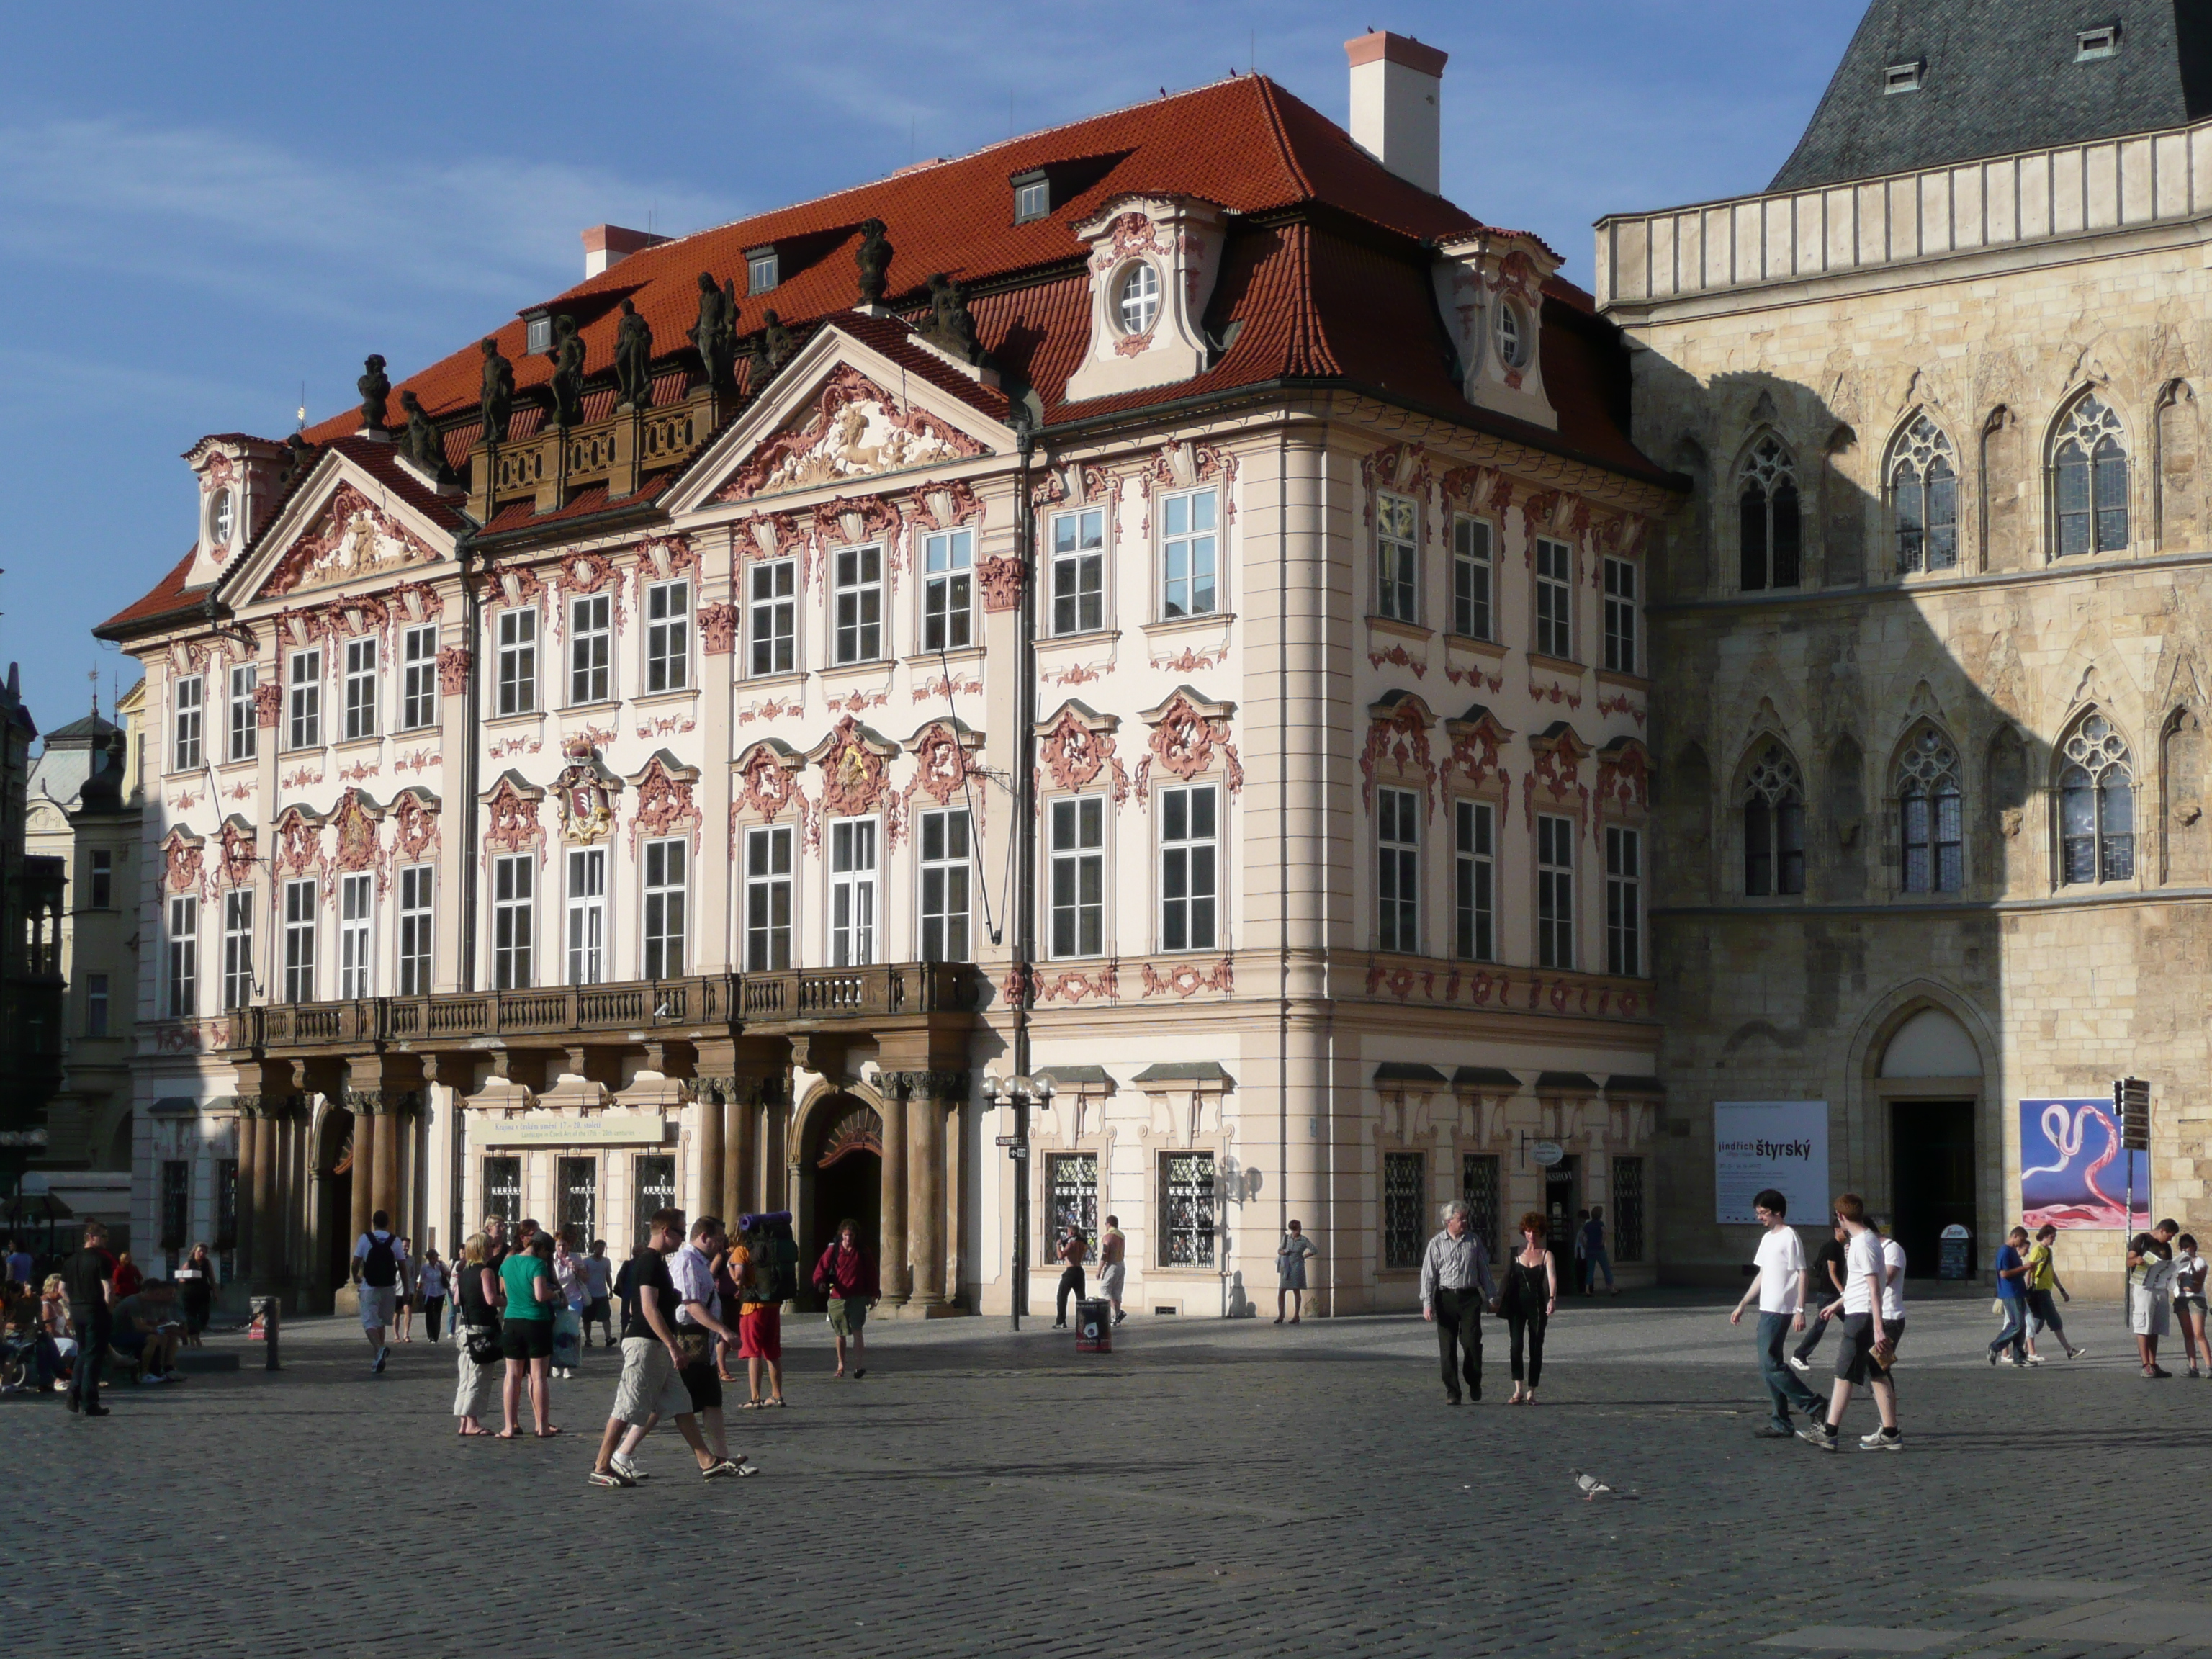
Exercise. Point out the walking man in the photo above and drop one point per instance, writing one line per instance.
(698, 1323)
(1867, 1346)
(845, 1278)
(1778, 1282)
(379, 1257)
(2012, 1292)
(652, 1384)
(2042, 1280)
(1455, 1287)
(1113, 1266)
(1595, 1259)
(90, 1281)
(1073, 1247)
(1582, 1257)
(1825, 1286)
(598, 1278)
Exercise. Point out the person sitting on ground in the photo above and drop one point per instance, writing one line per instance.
(148, 1330)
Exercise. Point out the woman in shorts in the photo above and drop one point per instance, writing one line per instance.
(2189, 1271)
(526, 1334)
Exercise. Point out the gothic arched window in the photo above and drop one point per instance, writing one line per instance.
(1773, 826)
(2089, 479)
(1767, 501)
(1924, 487)
(1929, 816)
(2096, 806)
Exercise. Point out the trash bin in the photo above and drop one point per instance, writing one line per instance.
(1094, 1326)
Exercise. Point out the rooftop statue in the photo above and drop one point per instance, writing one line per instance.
(715, 333)
(375, 387)
(874, 256)
(498, 400)
(633, 358)
(567, 384)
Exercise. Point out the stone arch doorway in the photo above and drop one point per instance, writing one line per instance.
(1930, 1079)
(841, 1176)
(333, 1216)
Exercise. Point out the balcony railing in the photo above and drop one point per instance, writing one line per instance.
(759, 1003)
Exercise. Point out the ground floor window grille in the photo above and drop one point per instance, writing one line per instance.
(176, 1206)
(656, 1190)
(1072, 1180)
(1186, 1239)
(1628, 1209)
(1479, 1188)
(502, 1186)
(1404, 1218)
(578, 1200)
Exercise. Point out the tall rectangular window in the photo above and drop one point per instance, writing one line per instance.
(1397, 559)
(1405, 1209)
(300, 941)
(1398, 870)
(948, 590)
(245, 726)
(1189, 555)
(1189, 876)
(1620, 617)
(666, 865)
(418, 677)
(655, 1190)
(176, 1203)
(1483, 1193)
(576, 1196)
(184, 956)
(852, 892)
(859, 602)
(1555, 892)
(945, 874)
(1555, 599)
(354, 936)
(591, 648)
(514, 877)
(1078, 877)
(1624, 901)
(95, 1005)
(361, 688)
(1628, 1209)
(502, 1190)
(103, 879)
(305, 705)
(517, 635)
(1187, 1210)
(668, 636)
(416, 917)
(588, 915)
(767, 898)
(1071, 1184)
(773, 625)
(226, 1209)
(184, 752)
(1078, 571)
(237, 949)
(1471, 578)
(1474, 881)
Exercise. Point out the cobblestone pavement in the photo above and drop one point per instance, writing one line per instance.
(1208, 1488)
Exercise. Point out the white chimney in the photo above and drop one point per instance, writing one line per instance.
(610, 244)
(1394, 113)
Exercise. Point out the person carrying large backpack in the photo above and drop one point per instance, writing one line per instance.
(380, 1259)
(766, 1262)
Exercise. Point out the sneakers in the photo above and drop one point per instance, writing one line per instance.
(1060, 1324)
(2076, 1353)
(382, 1354)
(612, 1477)
(2037, 1359)
(1800, 1366)
(1818, 1434)
(1882, 1440)
(731, 1469)
(1120, 1317)
(1770, 1431)
(629, 1472)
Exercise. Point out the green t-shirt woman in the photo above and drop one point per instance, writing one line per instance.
(520, 1272)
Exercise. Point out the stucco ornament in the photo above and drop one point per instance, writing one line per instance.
(586, 794)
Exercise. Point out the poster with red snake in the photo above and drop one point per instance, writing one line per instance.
(2072, 1171)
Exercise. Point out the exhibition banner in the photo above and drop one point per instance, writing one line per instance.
(1782, 1143)
(2072, 1173)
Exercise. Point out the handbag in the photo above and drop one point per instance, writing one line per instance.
(693, 1343)
(483, 1345)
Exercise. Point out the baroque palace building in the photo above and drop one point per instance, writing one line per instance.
(1930, 726)
(1129, 643)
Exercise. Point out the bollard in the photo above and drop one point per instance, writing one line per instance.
(267, 1323)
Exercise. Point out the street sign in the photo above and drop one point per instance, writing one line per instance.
(1009, 1140)
(2131, 1106)
(1547, 1152)
(1020, 1152)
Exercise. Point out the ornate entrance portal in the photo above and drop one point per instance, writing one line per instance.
(841, 1180)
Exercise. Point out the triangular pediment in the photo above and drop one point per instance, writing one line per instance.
(840, 413)
(345, 528)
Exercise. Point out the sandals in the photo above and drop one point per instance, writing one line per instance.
(779, 1403)
(750, 1405)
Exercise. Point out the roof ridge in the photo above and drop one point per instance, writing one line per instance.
(1290, 163)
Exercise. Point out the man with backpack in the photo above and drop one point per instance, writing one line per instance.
(766, 1262)
(380, 1258)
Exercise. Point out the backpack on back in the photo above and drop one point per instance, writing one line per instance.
(379, 1268)
(774, 1262)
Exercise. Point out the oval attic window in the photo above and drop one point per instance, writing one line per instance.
(1138, 298)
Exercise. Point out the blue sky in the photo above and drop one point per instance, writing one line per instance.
(203, 211)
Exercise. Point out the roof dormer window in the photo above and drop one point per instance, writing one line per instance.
(761, 269)
(2102, 41)
(1904, 77)
(1137, 298)
(1032, 195)
(537, 336)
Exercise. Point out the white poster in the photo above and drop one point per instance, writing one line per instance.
(1782, 1143)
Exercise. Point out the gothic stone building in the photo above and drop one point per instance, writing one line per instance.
(1174, 695)
(1931, 720)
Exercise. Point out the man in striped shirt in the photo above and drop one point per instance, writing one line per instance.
(1455, 1287)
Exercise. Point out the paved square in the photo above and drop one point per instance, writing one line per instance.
(1208, 1488)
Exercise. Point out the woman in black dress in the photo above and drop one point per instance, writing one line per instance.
(1532, 1291)
(196, 1290)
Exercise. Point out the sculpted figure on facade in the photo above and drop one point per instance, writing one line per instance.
(496, 401)
(633, 359)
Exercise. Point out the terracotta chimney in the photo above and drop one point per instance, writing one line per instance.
(1394, 111)
(610, 244)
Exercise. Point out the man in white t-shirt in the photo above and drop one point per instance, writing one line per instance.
(1779, 1284)
(1868, 1343)
(380, 1264)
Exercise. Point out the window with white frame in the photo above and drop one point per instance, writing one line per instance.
(858, 602)
(1137, 299)
(300, 941)
(773, 622)
(184, 701)
(767, 898)
(667, 866)
(1624, 901)
(95, 1005)
(945, 873)
(1078, 877)
(1189, 552)
(514, 915)
(516, 632)
(948, 590)
(1078, 571)
(762, 270)
(361, 688)
(417, 915)
(305, 700)
(418, 677)
(852, 892)
(588, 915)
(1189, 868)
(1032, 198)
(1186, 1209)
(353, 893)
(1555, 892)
(1474, 875)
(1471, 578)
(1620, 617)
(103, 878)
(1397, 558)
(1555, 599)
(184, 956)
(237, 949)
(1397, 870)
(668, 637)
(591, 648)
(244, 727)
